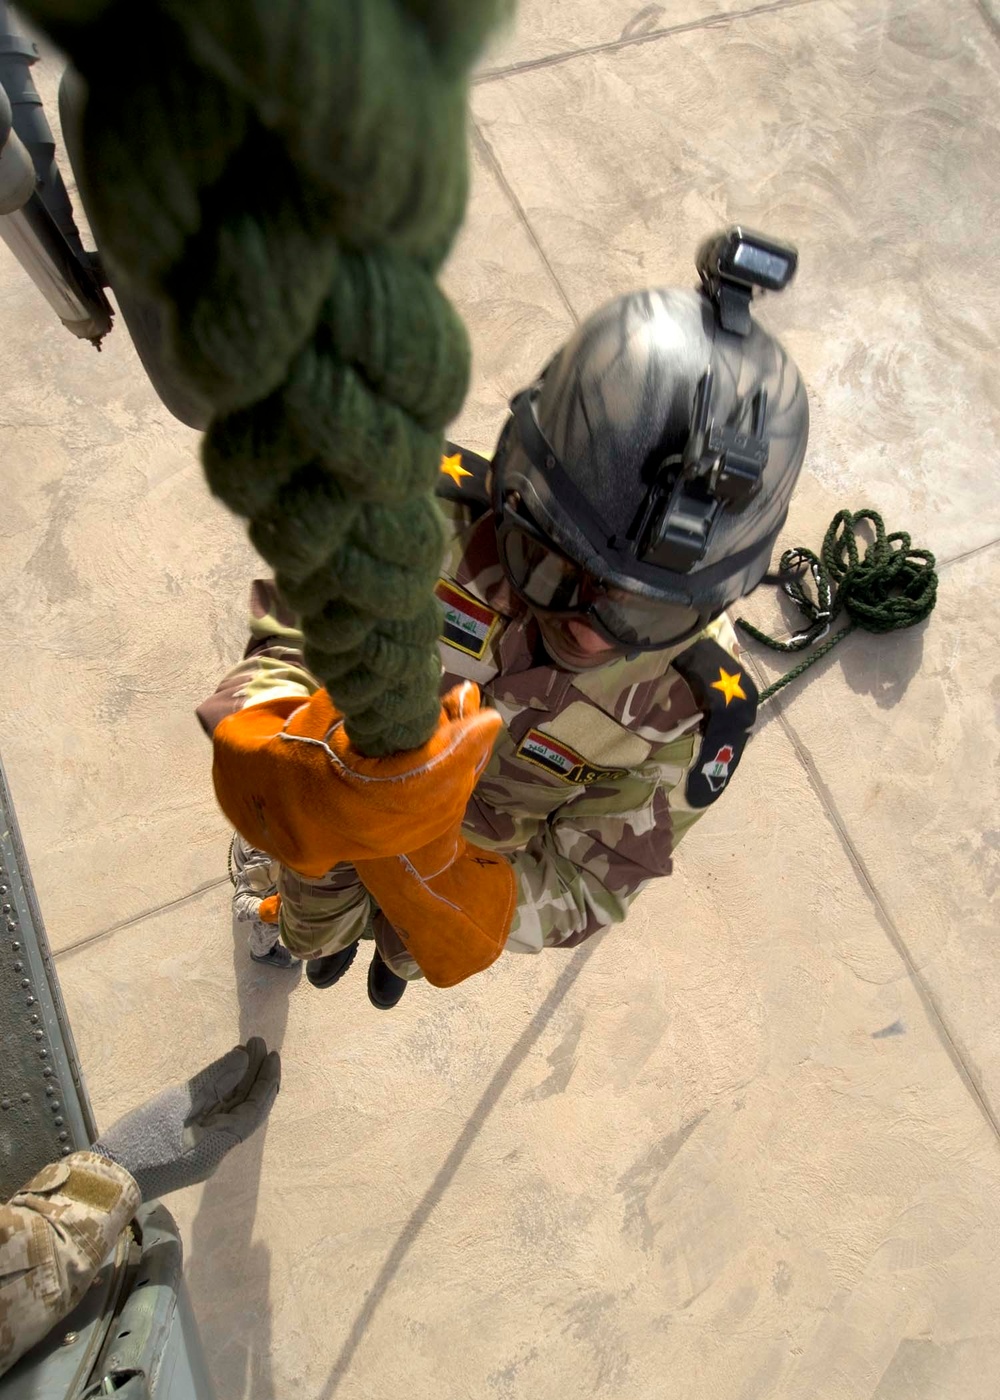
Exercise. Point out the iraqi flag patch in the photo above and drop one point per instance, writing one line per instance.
(563, 762)
(468, 623)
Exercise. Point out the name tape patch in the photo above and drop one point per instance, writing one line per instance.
(563, 762)
(468, 623)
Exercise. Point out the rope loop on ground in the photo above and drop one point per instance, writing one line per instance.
(890, 587)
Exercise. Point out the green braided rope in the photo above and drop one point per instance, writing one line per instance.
(892, 587)
(286, 177)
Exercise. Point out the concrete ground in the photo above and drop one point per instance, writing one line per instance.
(745, 1146)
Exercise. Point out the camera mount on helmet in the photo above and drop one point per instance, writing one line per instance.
(735, 263)
(721, 466)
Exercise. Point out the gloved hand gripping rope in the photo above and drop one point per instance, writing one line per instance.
(286, 177)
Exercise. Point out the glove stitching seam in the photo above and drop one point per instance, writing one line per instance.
(433, 893)
(410, 773)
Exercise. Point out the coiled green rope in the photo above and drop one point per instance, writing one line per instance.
(891, 587)
(286, 177)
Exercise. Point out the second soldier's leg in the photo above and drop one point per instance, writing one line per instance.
(391, 965)
(254, 876)
(322, 920)
(392, 950)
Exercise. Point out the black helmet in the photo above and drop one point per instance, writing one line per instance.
(643, 479)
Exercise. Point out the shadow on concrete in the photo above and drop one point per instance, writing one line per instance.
(880, 666)
(883, 666)
(223, 1259)
(432, 1196)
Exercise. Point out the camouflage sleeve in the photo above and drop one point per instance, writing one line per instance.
(54, 1236)
(272, 665)
(583, 867)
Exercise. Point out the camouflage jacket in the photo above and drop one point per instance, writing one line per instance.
(54, 1236)
(589, 787)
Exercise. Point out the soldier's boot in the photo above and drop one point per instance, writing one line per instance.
(278, 956)
(385, 989)
(323, 972)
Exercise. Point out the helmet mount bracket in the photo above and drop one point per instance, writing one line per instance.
(722, 467)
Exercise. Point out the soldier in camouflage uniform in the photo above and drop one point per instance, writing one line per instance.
(636, 491)
(57, 1231)
(54, 1236)
(254, 878)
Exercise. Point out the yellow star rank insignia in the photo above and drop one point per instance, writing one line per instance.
(729, 685)
(452, 466)
(726, 726)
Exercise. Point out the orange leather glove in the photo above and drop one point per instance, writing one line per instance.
(269, 911)
(451, 903)
(288, 779)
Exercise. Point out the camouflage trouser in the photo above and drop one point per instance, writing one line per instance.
(254, 876)
(319, 917)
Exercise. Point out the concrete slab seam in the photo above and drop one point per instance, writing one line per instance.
(888, 925)
(717, 21)
(141, 917)
(990, 11)
(492, 160)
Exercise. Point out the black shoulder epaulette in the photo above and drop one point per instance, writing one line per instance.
(462, 479)
(728, 697)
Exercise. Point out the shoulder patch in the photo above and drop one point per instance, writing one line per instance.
(563, 762)
(468, 624)
(462, 479)
(728, 697)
